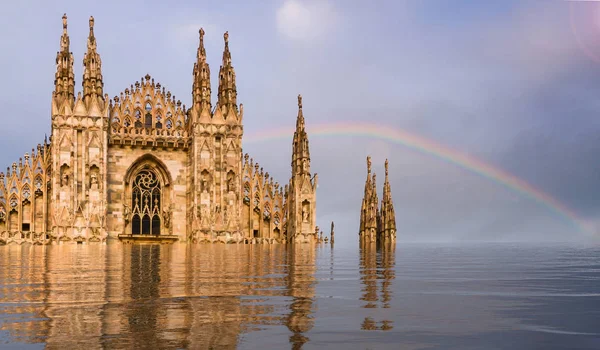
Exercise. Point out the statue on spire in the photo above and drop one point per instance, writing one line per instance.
(299, 101)
(64, 39)
(226, 37)
(386, 167)
(368, 164)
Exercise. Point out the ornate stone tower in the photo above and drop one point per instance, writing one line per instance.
(79, 134)
(216, 155)
(387, 218)
(377, 224)
(302, 196)
(369, 208)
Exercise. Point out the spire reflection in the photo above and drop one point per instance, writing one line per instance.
(301, 283)
(376, 269)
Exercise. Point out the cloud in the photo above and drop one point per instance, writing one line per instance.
(305, 20)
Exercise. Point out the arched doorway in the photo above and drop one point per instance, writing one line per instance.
(146, 203)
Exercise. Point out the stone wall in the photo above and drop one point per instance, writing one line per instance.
(121, 159)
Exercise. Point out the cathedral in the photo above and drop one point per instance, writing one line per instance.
(377, 225)
(143, 167)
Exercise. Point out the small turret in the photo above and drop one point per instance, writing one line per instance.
(64, 80)
(331, 234)
(387, 221)
(201, 86)
(227, 88)
(369, 208)
(92, 68)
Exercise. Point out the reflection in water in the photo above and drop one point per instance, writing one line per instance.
(260, 296)
(153, 296)
(377, 264)
(300, 283)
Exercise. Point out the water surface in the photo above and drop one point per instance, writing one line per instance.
(417, 296)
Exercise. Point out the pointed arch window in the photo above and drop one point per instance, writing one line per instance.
(148, 107)
(246, 193)
(148, 121)
(146, 201)
(267, 211)
(256, 197)
(158, 124)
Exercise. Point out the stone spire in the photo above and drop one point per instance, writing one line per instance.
(366, 197)
(227, 88)
(300, 151)
(92, 67)
(369, 211)
(387, 221)
(332, 233)
(201, 87)
(64, 80)
(303, 187)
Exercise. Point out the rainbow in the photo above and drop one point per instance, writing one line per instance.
(429, 147)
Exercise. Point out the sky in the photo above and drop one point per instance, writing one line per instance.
(513, 84)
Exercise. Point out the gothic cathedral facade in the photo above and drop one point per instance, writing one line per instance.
(142, 166)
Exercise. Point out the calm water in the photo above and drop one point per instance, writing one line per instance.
(418, 296)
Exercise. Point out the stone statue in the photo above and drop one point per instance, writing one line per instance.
(369, 164)
(230, 185)
(65, 179)
(304, 215)
(94, 181)
(126, 213)
(218, 216)
(205, 214)
(167, 217)
(226, 215)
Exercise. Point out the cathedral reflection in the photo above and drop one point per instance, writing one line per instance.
(376, 274)
(155, 296)
(301, 287)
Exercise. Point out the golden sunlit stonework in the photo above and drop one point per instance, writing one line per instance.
(142, 166)
(377, 224)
